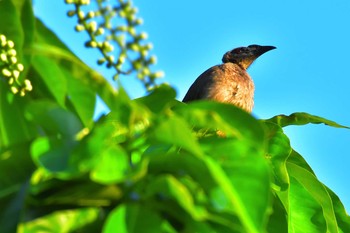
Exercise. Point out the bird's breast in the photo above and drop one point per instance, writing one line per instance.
(232, 84)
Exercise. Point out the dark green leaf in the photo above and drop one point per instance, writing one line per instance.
(53, 119)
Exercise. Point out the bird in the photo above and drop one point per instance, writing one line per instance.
(229, 82)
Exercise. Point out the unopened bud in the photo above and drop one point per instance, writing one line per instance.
(3, 57)
(6, 72)
(79, 28)
(71, 13)
(20, 67)
(14, 90)
(28, 85)
(10, 44)
(13, 60)
(15, 74)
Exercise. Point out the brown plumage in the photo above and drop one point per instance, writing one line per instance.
(229, 82)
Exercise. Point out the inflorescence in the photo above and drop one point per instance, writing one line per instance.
(115, 25)
(11, 69)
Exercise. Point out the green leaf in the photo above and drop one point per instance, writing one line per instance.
(61, 126)
(52, 154)
(111, 166)
(343, 219)
(16, 167)
(278, 152)
(11, 25)
(232, 121)
(173, 130)
(54, 79)
(159, 99)
(232, 196)
(14, 129)
(52, 118)
(316, 214)
(171, 189)
(302, 118)
(278, 220)
(133, 218)
(83, 98)
(76, 220)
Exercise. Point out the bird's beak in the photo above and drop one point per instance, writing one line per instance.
(263, 49)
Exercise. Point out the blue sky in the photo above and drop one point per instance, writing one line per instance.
(308, 72)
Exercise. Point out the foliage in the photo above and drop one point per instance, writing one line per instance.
(152, 164)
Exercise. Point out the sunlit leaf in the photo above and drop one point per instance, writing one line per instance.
(133, 218)
(175, 131)
(159, 98)
(65, 221)
(278, 152)
(318, 193)
(112, 166)
(302, 118)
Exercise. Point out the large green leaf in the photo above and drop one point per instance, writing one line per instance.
(278, 152)
(240, 154)
(51, 74)
(53, 119)
(61, 126)
(232, 121)
(316, 214)
(225, 195)
(343, 219)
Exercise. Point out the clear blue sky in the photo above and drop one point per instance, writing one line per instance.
(308, 72)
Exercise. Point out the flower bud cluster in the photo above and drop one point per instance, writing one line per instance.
(113, 31)
(11, 69)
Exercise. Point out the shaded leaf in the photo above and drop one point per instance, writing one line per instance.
(53, 119)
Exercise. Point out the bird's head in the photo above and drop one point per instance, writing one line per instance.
(245, 56)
